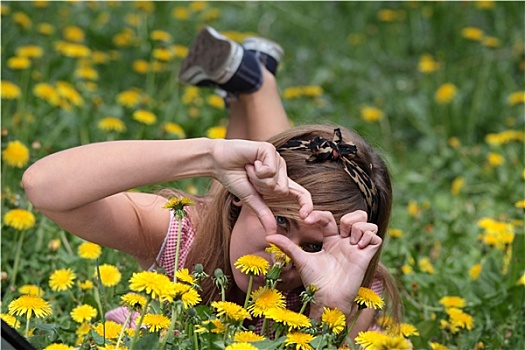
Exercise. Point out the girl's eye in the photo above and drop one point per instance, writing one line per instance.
(313, 248)
(281, 220)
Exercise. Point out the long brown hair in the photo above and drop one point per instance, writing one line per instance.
(331, 189)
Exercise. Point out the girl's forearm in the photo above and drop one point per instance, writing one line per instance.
(78, 176)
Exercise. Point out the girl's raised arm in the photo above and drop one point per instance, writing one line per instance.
(81, 189)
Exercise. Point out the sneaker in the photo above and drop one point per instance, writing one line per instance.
(268, 52)
(214, 60)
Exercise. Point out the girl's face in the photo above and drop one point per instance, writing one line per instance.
(248, 237)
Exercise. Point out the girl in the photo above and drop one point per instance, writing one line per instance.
(318, 192)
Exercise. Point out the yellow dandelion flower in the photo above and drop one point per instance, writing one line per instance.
(109, 275)
(180, 13)
(174, 129)
(45, 28)
(9, 90)
(516, 98)
(485, 4)
(85, 285)
(67, 91)
(385, 321)
(219, 326)
(29, 305)
(504, 137)
(160, 35)
(397, 342)
(490, 41)
(140, 66)
(437, 346)
(180, 51)
(111, 124)
(407, 269)
(408, 330)
(83, 313)
(312, 91)
(427, 64)
(4, 10)
(16, 154)
(216, 132)
(426, 266)
(88, 73)
(460, 319)
(521, 280)
(129, 98)
(230, 310)
(58, 346)
(445, 93)
(395, 233)
(133, 301)
(152, 283)
(215, 101)
(22, 20)
(47, 92)
(299, 340)
(334, 319)
(370, 339)
(252, 265)
(240, 346)
(73, 33)
(10, 320)
(247, 337)
(191, 95)
(457, 185)
(184, 275)
(108, 346)
(29, 51)
(110, 329)
(452, 301)
(190, 298)
(18, 63)
(475, 271)
(72, 50)
(387, 15)
(366, 297)
(289, 318)
(177, 204)
(62, 279)
(495, 159)
(83, 329)
(472, 33)
(19, 219)
(156, 322)
(163, 54)
(454, 142)
(100, 57)
(31, 289)
(278, 254)
(144, 117)
(88, 250)
(413, 208)
(265, 299)
(371, 114)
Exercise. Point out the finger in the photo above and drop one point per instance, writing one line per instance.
(298, 256)
(267, 161)
(261, 210)
(369, 239)
(358, 229)
(277, 185)
(303, 197)
(325, 220)
(348, 220)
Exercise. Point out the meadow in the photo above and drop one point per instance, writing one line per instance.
(438, 87)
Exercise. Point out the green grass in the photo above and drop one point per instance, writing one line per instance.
(358, 60)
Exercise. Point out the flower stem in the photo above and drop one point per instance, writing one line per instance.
(17, 256)
(139, 323)
(174, 316)
(124, 326)
(177, 249)
(27, 325)
(248, 291)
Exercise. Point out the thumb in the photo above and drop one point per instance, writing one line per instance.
(291, 249)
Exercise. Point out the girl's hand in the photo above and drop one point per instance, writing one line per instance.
(250, 170)
(338, 269)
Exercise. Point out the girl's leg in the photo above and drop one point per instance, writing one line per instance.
(258, 115)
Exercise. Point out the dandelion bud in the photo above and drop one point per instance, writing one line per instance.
(199, 273)
(54, 245)
(3, 275)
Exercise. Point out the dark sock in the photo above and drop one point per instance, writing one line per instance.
(247, 78)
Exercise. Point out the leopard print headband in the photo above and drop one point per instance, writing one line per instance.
(336, 150)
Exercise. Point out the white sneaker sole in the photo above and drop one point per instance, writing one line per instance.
(213, 57)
